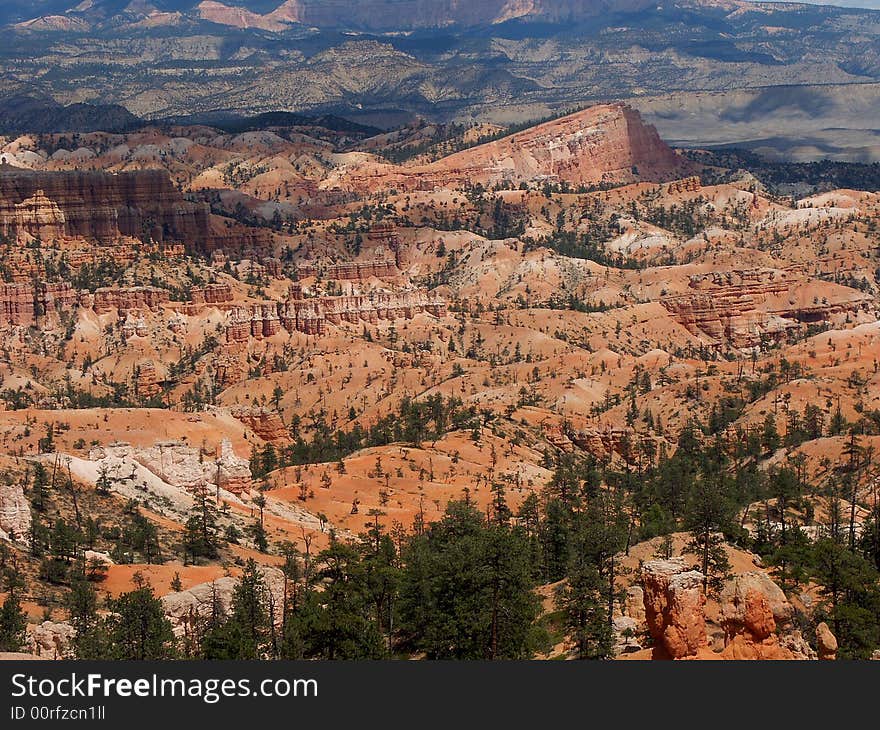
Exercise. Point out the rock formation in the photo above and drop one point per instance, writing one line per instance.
(146, 380)
(21, 304)
(753, 607)
(211, 294)
(196, 603)
(674, 601)
(184, 466)
(311, 316)
(15, 514)
(51, 640)
(604, 143)
(232, 472)
(24, 304)
(740, 307)
(266, 424)
(125, 299)
(826, 642)
(350, 270)
(685, 185)
(99, 206)
(754, 613)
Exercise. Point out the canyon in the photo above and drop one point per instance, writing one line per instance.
(293, 343)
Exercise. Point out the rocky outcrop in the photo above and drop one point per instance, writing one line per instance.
(184, 466)
(228, 369)
(185, 608)
(266, 424)
(753, 607)
(255, 320)
(311, 316)
(674, 608)
(124, 299)
(754, 613)
(211, 294)
(350, 270)
(36, 214)
(16, 304)
(51, 640)
(685, 185)
(601, 442)
(232, 472)
(99, 206)
(135, 327)
(22, 304)
(147, 383)
(15, 514)
(742, 307)
(25, 304)
(605, 143)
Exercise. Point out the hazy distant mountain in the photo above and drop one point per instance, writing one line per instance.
(33, 113)
(388, 15)
(499, 60)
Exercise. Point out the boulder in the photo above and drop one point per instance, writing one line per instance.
(826, 642)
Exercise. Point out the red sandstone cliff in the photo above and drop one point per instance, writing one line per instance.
(311, 316)
(740, 307)
(23, 304)
(609, 143)
(99, 206)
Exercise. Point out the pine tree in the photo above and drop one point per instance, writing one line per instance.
(138, 628)
(467, 589)
(200, 538)
(582, 602)
(708, 516)
(91, 640)
(344, 625)
(769, 435)
(12, 624)
(249, 611)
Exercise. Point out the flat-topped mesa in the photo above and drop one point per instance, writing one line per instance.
(311, 316)
(603, 144)
(400, 15)
(742, 307)
(99, 206)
